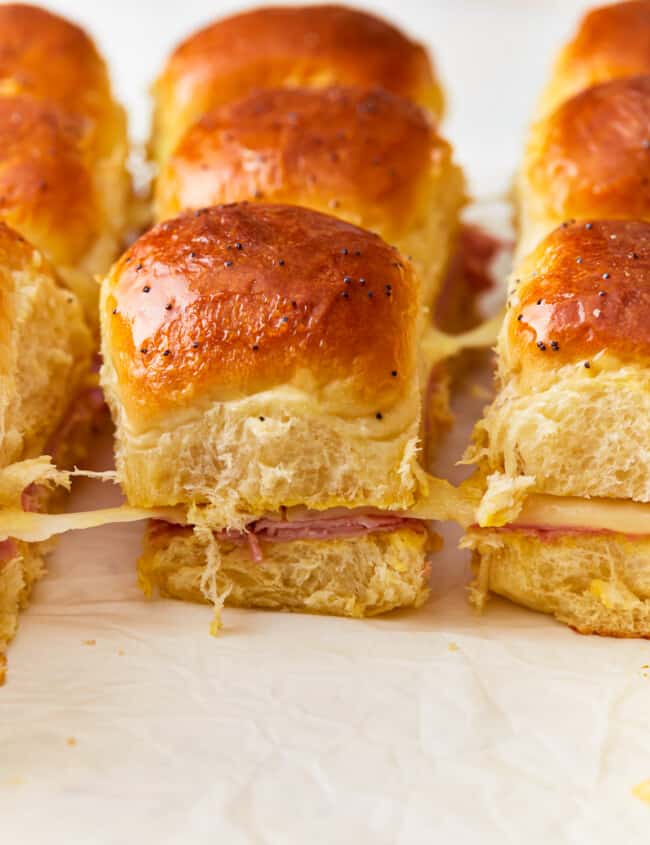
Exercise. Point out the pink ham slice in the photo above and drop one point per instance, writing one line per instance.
(326, 527)
(8, 551)
(85, 409)
(309, 525)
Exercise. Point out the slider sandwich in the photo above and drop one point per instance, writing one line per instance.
(286, 47)
(47, 399)
(564, 524)
(260, 362)
(63, 147)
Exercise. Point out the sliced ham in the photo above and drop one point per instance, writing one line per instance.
(85, 409)
(477, 250)
(303, 525)
(8, 551)
(326, 527)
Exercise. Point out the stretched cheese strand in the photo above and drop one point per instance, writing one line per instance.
(436, 346)
(37, 527)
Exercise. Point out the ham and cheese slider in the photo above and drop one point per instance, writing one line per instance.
(260, 365)
(63, 147)
(286, 46)
(563, 450)
(46, 405)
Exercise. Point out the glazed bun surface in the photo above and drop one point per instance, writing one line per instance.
(339, 149)
(584, 291)
(284, 46)
(612, 42)
(46, 186)
(232, 300)
(369, 157)
(588, 159)
(50, 58)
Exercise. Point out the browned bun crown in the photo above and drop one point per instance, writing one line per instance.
(585, 290)
(46, 188)
(591, 157)
(228, 301)
(362, 154)
(273, 47)
(612, 42)
(50, 58)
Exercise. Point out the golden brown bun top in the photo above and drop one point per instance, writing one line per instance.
(362, 154)
(287, 46)
(592, 155)
(52, 59)
(228, 301)
(46, 190)
(612, 42)
(584, 290)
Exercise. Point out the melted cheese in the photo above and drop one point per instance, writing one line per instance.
(436, 346)
(622, 516)
(36, 527)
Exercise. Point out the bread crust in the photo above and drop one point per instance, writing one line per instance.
(583, 291)
(233, 300)
(611, 42)
(596, 584)
(588, 159)
(282, 46)
(364, 153)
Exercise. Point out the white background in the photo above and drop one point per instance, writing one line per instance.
(428, 727)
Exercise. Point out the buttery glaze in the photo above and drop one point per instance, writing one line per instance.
(50, 58)
(359, 153)
(240, 298)
(592, 156)
(584, 290)
(282, 46)
(46, 189)
(612, 42)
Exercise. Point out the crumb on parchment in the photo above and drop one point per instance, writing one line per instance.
(642, 791)
(89, 642)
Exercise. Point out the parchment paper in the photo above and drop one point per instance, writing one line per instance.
(123, 721)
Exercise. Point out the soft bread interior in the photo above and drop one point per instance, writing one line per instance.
(46, 357)
(596, 583)
(280, 447)
(354, 577)
(17, 576)
(580, 432)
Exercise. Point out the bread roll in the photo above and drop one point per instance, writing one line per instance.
(369, 157)
(568, 421)
(285, 46)
(260, 359)
(588, 159)
(64, 147)
(612, 42)
(64, 188)
(46, 396)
